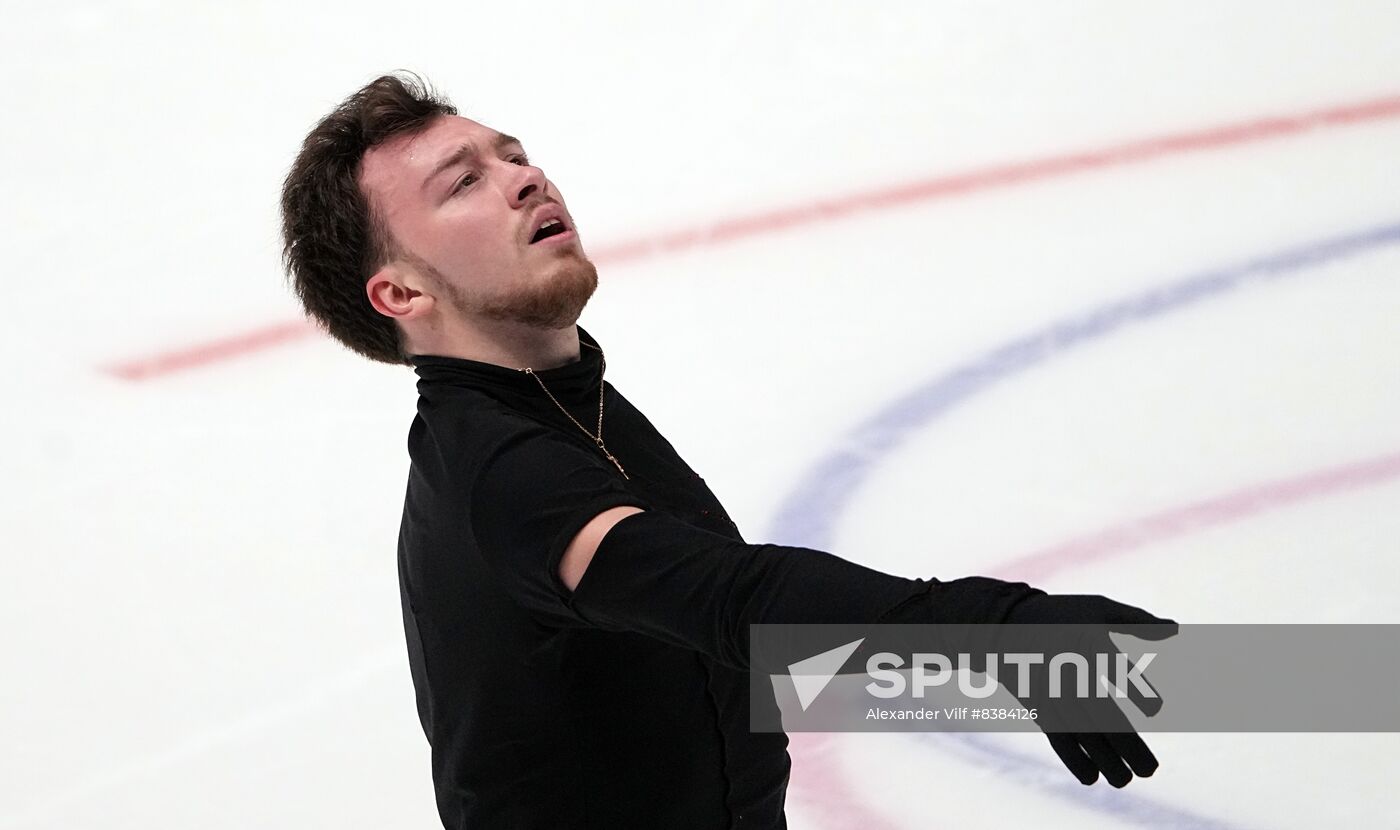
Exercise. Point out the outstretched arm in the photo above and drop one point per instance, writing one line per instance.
(648, 572)
(576, 548)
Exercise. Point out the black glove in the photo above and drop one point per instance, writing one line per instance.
(1114, 749)
(963, 607)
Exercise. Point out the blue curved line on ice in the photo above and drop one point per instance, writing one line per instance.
(810, 512)
(814, 507)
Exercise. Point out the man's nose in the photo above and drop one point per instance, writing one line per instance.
(531, 183)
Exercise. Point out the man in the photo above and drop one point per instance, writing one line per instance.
(576, 600)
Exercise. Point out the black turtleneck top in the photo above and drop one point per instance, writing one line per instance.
(624, 704)
(537, 716)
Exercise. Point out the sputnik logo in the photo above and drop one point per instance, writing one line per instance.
(811, 675)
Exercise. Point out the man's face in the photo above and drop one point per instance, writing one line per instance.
(462, 202)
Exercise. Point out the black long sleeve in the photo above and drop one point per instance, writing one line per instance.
(662, 577)
(604, 707)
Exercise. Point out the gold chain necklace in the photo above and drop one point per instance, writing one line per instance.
(597, 439)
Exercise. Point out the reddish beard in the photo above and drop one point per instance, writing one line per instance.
(552, 302)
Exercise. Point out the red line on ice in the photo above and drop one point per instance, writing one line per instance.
(1127, 537)
(808, 213)
(212, 351)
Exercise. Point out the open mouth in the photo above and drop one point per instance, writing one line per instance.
(551, 227)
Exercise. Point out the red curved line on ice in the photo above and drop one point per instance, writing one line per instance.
(812, 212)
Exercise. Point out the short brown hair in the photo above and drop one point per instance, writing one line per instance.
(332, 240)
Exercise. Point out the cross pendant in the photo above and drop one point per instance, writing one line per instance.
(617, 465)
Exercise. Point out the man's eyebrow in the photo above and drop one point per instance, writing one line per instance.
(469, 150)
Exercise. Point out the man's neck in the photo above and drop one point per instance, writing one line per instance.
(511, 345)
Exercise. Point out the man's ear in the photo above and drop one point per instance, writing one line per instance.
(392, 294)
